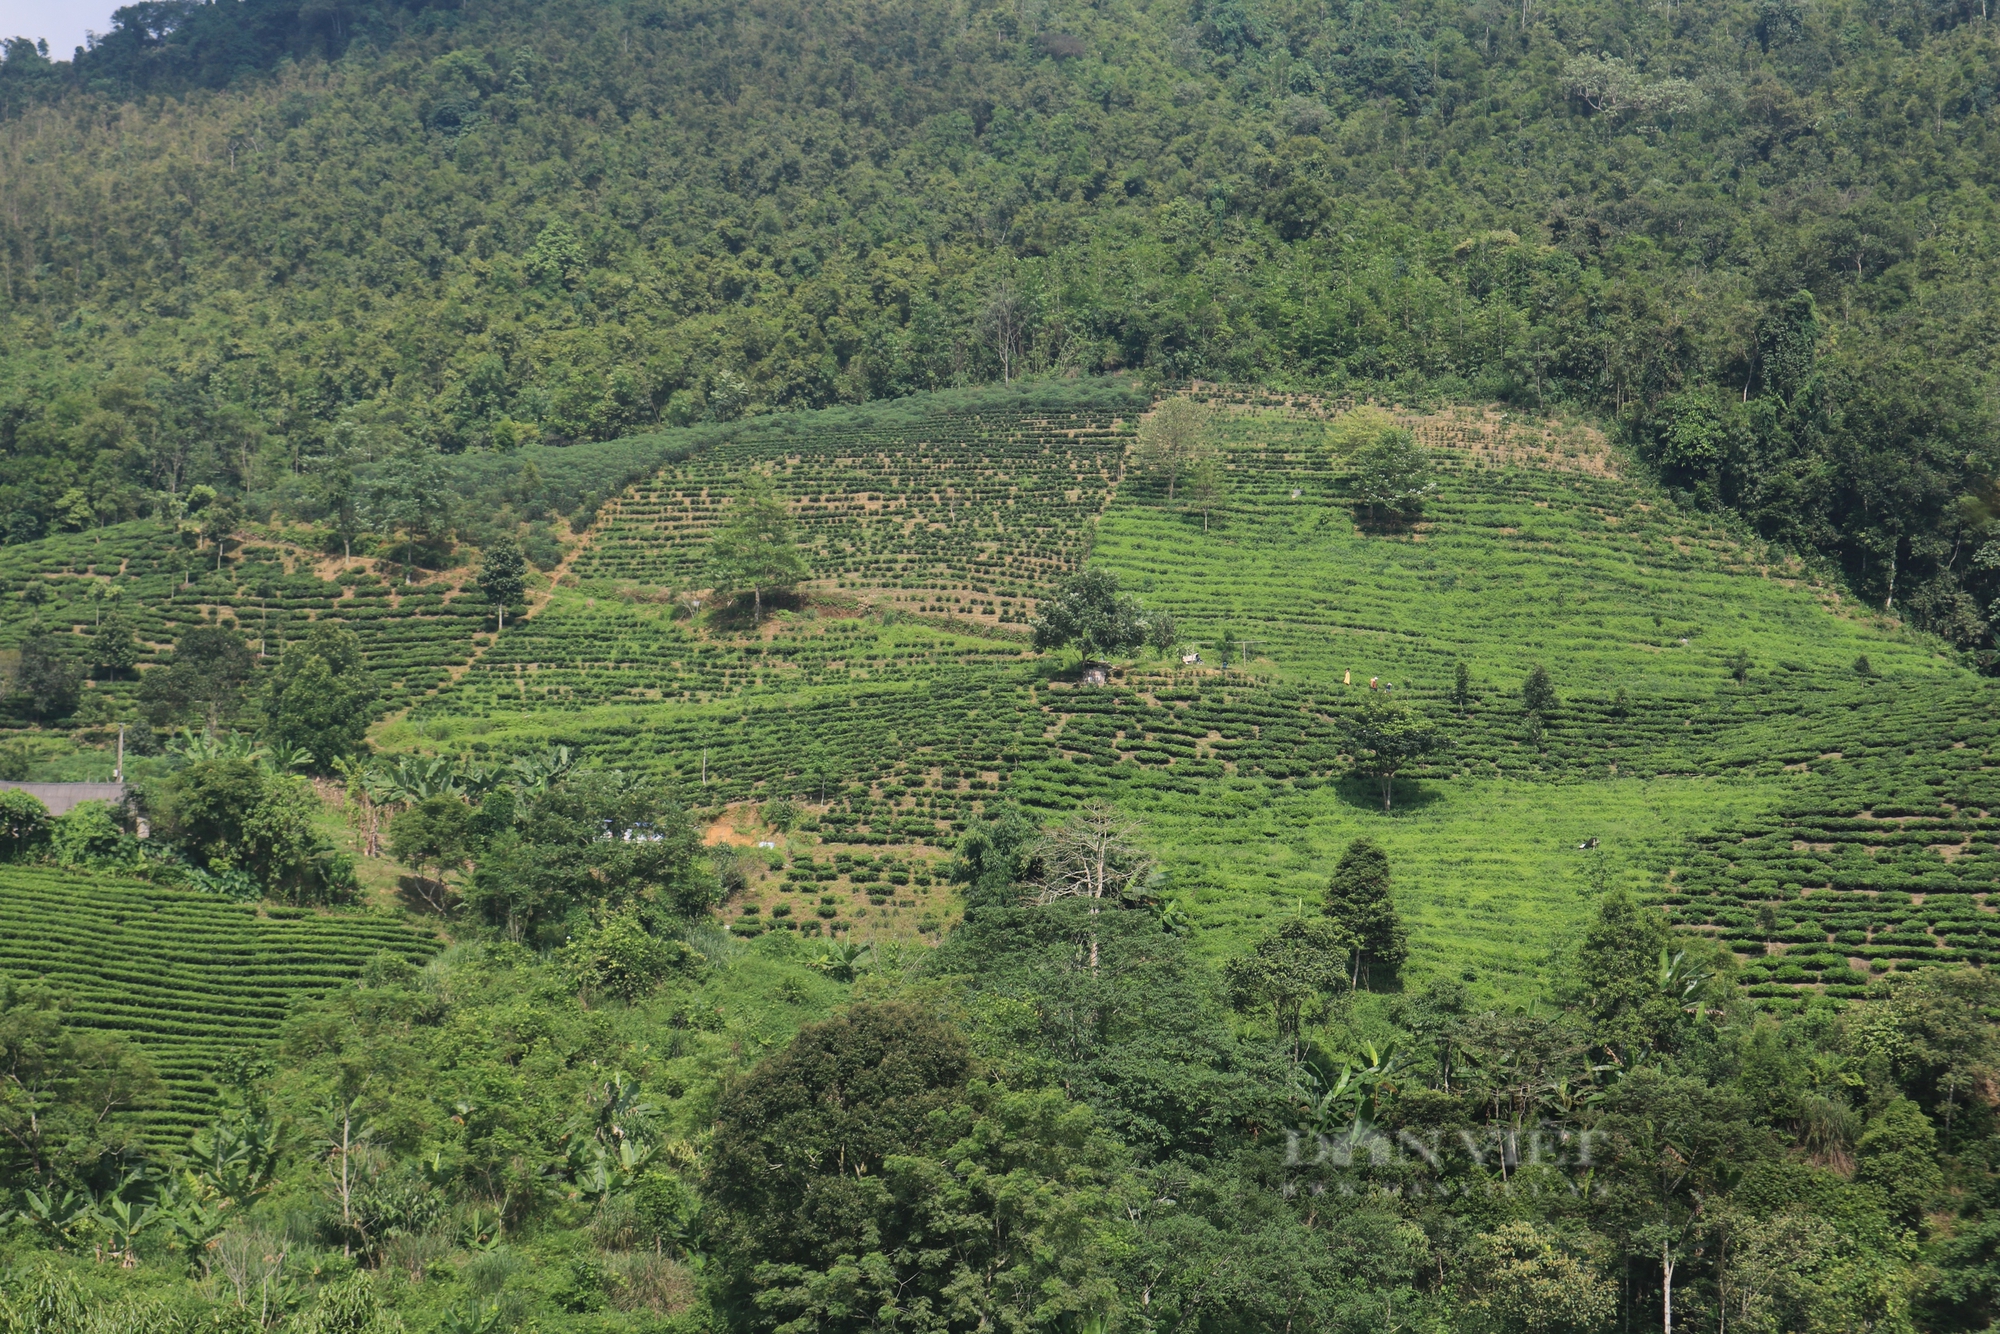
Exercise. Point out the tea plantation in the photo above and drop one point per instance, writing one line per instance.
(411, 635)
(192, 980)
(1711, 721)
(1714, 734)
(971, 513)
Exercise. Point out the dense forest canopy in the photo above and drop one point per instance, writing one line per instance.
(243, 240)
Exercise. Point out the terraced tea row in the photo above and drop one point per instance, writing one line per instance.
(905, 722)
(978, 513)
(1889, 866)
(411, 635)
(189, 979)
(583, 652)
(1680, 653)
(1606, 583)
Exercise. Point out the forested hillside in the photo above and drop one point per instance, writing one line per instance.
(244, 244)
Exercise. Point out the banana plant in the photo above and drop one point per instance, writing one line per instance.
(125, 1219)
(194, 1217)
(283, 759)
(482, 1232)
(1683, 982)
(238, 1157)
(844, 961)
(229, 883)
(599, 1170)
(208, 745)
(474, 1317)
(615, 1138)
(61, 1218)
(1351, 1098)
(535, 773)
(415, 777)
(475, 779)
(369, 790)
(1320, 1106)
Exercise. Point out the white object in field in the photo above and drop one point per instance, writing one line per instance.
(1190, 659)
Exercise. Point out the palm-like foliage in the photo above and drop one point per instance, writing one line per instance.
(844, 961)
(534, 773)
(615, 1137)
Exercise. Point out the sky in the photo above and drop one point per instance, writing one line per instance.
(62, 22)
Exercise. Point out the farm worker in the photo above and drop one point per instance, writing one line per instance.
(1347, 677)
(1374, 683)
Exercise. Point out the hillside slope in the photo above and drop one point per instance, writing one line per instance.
(899, 700)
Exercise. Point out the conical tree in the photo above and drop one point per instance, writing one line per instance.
(1538, 693)
(1358, 901)
(755, 550)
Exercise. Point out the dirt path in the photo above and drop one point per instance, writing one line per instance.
(537, 600)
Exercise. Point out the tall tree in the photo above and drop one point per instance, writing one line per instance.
(503, 575)
(206, 672)
(410, 495)
(1303, 959)
(1538, 693)
(1393, 474)
(1385, 737)
(1897, 1154)
(24, 824)
(61, 1094)
(433, 834)
(114, 646)
(1089, 613)
(1094, 856)
(1359, 903)
(864, 1169)
(318, 698)
(233, 815)
(220, 519)
(1204, 486)
(49, 678)
(1676, 1145)
(1005, 320)
(1637, 987)
(756, 550)
(592, 840)
(1175, 438)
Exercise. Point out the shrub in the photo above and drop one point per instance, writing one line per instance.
(621, 958)
(24, 824)
(89, 835)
